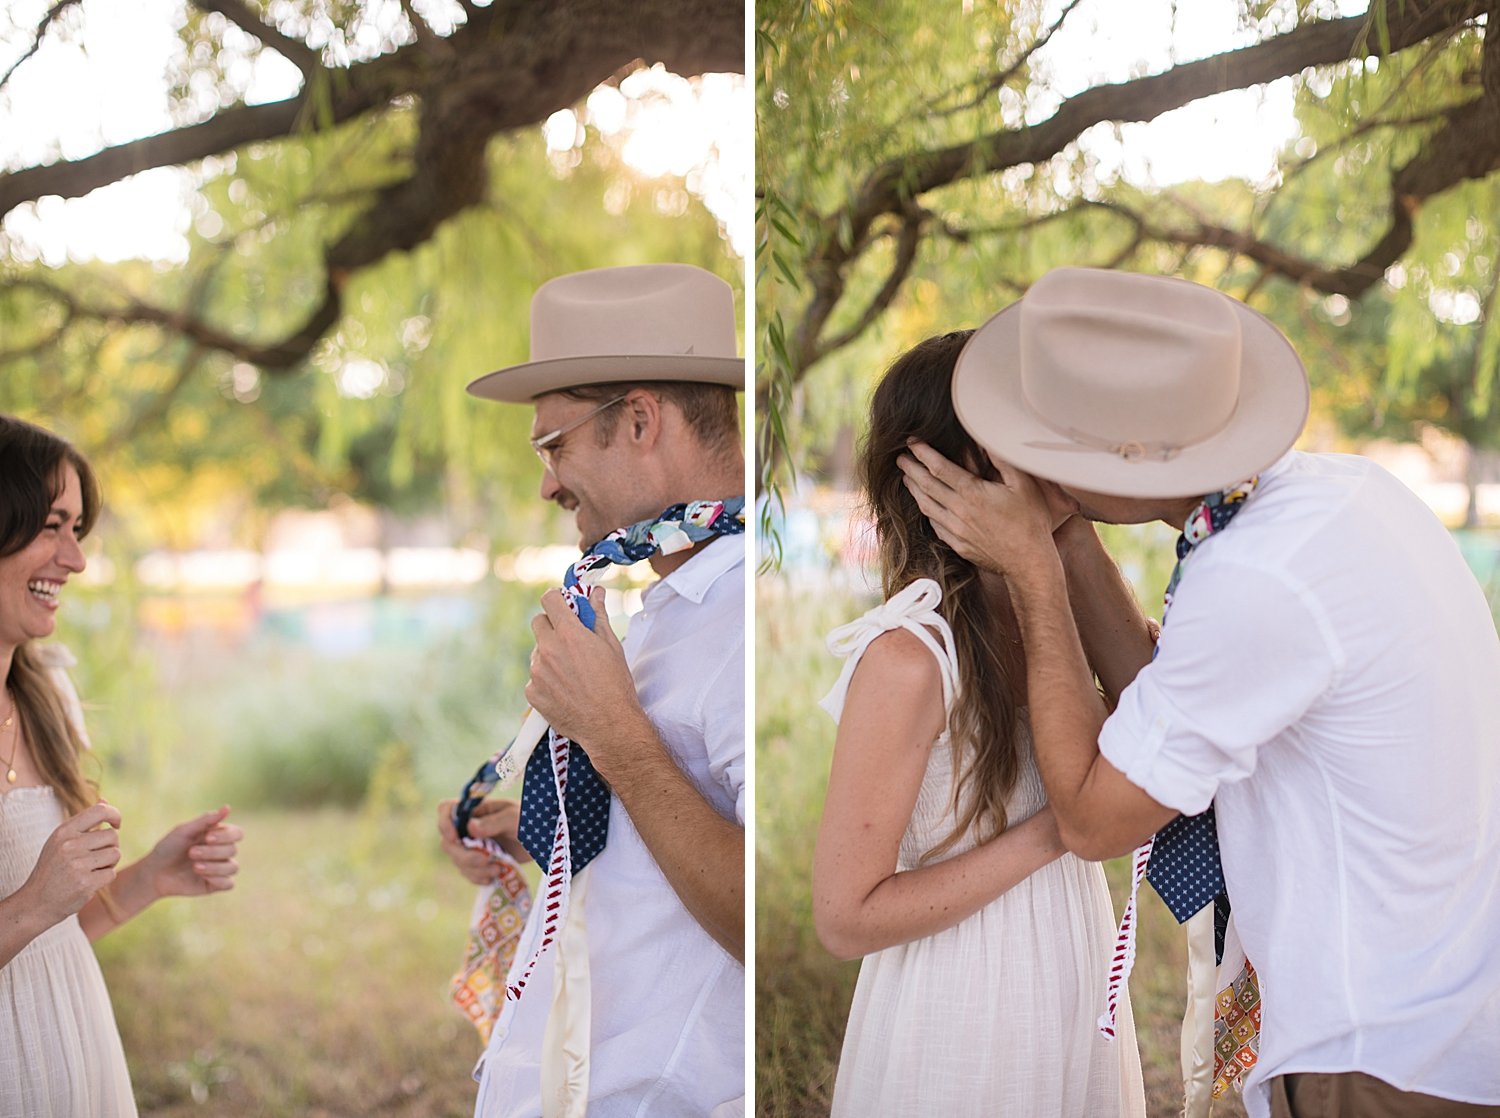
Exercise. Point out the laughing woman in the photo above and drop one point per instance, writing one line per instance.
(986, 943)
(60, 888)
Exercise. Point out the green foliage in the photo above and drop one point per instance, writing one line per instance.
(843, 89)
(384, 728)
(309, 737)
(378, 413)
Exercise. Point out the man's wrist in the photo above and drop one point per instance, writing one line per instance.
(633, 743)
(1074, 537)
(1038, 577)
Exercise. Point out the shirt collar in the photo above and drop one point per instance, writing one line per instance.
(1278, 467)
(693, 579)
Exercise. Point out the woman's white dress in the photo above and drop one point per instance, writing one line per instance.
(996, 1016)
(60, 1054)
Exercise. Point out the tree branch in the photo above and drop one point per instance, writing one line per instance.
(998, 80)
(295, 51)
(45, 342)
(1489, 67)
(36, 43)
(511, 66)
(893, 184)
(277, 356)
(75, 178)
(1466, 147)
(1143, 99)
(908, 240)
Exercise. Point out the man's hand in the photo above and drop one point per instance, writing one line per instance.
(580, 682)
(493, 819)
(1003, 526)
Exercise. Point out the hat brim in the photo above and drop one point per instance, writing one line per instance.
(1269, 415)
(520, 384)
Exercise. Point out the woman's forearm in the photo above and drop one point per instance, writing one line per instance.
(1115, 637)
(127, 896)
(910, 904)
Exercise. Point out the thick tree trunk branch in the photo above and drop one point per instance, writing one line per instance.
(1143, 99)
(908, 240)
(1489, 74)
(510, 66)
(894, 185)
(75, 178)
(518, 65)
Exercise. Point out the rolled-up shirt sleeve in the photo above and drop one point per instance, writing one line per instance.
(1243, 656)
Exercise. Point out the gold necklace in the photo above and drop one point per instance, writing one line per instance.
(15, 741)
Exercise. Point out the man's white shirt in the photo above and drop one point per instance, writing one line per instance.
(1329, 675)
(668, 1002)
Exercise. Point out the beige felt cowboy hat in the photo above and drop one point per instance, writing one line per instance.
(641, 322)
(1131, 385)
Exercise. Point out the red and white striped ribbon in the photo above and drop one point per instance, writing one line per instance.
(559, 880)
(1123, 960)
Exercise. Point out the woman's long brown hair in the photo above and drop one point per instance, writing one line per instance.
(912, 402)
(31, 479)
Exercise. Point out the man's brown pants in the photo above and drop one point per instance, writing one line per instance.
(1356, 1095)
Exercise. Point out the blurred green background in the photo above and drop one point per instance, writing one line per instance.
(309, 593)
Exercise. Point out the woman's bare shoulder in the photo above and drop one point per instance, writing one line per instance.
(898, 665)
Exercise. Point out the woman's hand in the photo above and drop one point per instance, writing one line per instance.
(77, 860)
(194, 858)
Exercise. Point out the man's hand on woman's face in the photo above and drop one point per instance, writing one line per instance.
(1004, 526)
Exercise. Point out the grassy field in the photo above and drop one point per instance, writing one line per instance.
(315, 989)
(802, 994)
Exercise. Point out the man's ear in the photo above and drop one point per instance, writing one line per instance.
(643, 414)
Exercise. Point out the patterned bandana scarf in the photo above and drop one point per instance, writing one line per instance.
(1182, 859)
(564, 803)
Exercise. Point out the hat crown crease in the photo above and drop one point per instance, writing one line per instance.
(1128, 375)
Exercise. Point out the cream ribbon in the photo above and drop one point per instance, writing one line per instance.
(565, 1043)
(1197, 1045)
(1130, 449)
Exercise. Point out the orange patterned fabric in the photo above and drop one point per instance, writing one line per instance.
(1236, 1030)
(478, 989)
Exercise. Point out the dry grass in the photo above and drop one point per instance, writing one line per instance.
(316, 989)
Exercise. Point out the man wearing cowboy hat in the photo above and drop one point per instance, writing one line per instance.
(632, 377)
(1327, 677)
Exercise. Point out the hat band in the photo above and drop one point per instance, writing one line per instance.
(1130, 450)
